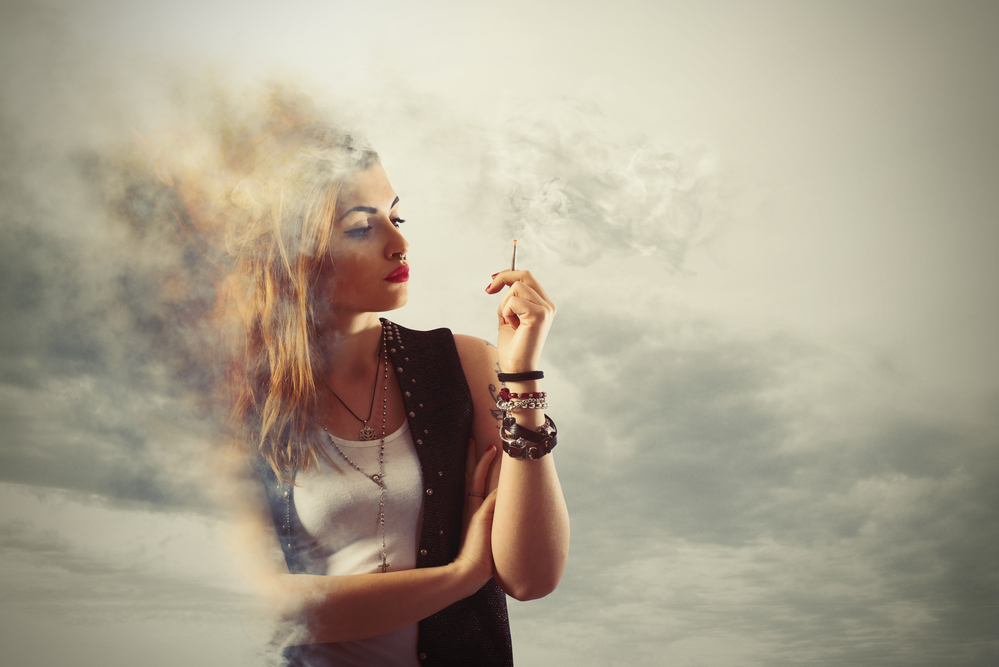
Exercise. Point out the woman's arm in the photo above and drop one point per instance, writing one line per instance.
(311, 609)
(530, 530)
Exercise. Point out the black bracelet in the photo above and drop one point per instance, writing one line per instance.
(523, 443)
(520, 377)
(529, 451)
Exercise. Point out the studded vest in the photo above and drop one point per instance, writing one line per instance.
(438, 405)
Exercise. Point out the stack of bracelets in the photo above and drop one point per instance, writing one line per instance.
(520, 442)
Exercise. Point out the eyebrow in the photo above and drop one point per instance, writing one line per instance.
(368, 209)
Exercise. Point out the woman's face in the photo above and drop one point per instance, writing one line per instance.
(369, 271)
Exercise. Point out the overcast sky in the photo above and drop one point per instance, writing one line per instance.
(770, 229)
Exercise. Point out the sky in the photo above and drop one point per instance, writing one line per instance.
(770, 232)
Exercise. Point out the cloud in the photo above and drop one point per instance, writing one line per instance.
(709, 500)
(738, 495)
(87, 564)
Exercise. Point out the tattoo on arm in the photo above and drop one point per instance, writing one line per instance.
(494, 392)
(488, 344)
(497, 414)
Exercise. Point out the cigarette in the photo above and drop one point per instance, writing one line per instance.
(513, 262)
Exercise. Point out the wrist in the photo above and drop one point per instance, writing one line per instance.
(507, 375)
(524, 387)
(525, 416)
(468, 575)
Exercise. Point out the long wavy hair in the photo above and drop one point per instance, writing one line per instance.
(279, 218)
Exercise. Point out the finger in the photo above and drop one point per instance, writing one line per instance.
(470, 461)
(516, 310)
(528, 295)
(485, 511)
(482, 470)
(510, 277)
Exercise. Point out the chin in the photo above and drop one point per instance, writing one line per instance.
(401, 300)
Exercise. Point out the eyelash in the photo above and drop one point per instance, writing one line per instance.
(362, 232)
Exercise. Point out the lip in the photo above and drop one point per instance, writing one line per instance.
(400, 275)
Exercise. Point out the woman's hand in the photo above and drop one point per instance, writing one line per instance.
(476, 554)
(525, 316)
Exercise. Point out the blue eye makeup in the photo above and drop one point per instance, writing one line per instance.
(359, 232)
(363, 232)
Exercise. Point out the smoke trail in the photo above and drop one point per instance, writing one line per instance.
(579, 189)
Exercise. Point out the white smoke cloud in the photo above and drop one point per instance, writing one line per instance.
(581, 187)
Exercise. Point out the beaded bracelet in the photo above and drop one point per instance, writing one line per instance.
(506, 394)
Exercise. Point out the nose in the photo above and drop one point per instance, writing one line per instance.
(396, 245)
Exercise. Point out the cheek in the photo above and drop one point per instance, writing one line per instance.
(346, 269)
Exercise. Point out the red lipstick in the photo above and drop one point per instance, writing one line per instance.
(400, 275)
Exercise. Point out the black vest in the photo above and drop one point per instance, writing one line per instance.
(473, 631)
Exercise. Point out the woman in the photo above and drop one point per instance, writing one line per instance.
(400, 522)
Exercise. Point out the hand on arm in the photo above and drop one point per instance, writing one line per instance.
(318, 609)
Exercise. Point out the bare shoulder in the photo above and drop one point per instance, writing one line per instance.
(475, 353)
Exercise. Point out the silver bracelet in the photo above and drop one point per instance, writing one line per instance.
(526, 403)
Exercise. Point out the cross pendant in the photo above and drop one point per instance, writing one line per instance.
(385, 566)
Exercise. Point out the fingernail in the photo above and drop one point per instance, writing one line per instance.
(488, 286)
(495, 274)
(490, 448)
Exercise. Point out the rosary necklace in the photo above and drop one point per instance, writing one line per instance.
(379, 477)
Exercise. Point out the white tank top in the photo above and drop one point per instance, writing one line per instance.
(339, 509)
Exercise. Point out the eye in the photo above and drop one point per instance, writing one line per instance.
(359, 232)
(397, 221)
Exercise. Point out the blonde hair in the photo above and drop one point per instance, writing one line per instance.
(279, 218)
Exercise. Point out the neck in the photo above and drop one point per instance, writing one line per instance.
(349, 345)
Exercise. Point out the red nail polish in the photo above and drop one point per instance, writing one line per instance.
(488, 286)
(495, 274)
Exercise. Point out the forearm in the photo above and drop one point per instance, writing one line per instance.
(318, 609)
(531, 524)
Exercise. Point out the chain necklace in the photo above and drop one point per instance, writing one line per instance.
(366, 432)
(378, 478)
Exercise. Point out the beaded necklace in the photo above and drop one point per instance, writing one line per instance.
(378, 478)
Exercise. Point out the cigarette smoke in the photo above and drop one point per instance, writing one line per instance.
(578, 187)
